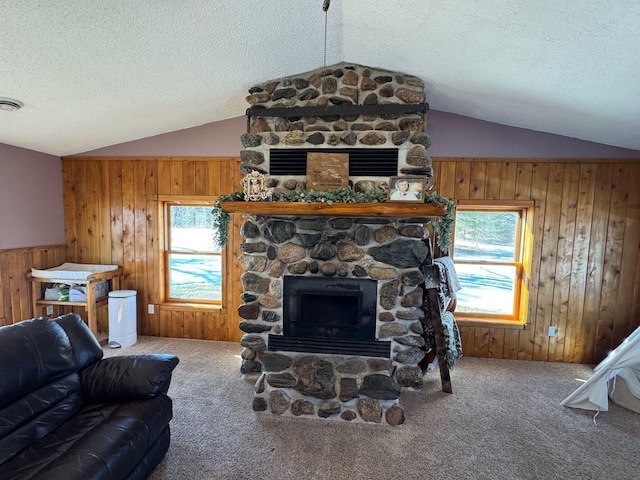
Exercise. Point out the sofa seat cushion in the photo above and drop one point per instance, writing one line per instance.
(101, 441)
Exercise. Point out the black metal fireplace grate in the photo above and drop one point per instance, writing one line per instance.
(334, 346)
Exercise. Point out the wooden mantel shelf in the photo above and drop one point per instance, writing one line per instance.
(336, 209)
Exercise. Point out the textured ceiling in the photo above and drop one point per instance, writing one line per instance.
(97, 73)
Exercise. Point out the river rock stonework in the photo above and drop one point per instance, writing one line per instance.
(346, 388)
(340, 84)
(390, 251)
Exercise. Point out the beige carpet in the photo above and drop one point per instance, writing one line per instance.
(503, 421)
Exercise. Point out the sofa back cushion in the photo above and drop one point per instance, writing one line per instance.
(86, 348)
(39, 383)
(32, 353)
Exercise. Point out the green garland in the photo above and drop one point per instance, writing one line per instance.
(221, 218)
(442, 227)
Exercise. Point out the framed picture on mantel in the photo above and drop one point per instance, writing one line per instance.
(255, 188)
(327, 171)
(407, 189)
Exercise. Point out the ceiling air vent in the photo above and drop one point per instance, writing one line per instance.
(10, 104)
(363, 162)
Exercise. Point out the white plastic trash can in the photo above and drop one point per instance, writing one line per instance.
(122, 318)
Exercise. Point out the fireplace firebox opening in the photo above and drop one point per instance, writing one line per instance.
(329, 315)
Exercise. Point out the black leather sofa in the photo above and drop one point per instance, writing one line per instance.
(67, 413)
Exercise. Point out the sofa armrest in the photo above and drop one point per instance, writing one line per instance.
(128, 377)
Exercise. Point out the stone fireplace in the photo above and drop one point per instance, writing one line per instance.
(333, 305)
(361, 343)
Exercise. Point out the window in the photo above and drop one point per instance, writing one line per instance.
(488, 255)
(193, 263)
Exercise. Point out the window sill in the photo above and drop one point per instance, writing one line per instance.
(182, 306)
(489, 323)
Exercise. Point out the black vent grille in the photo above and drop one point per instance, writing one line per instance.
(363, 162)
(333, 346)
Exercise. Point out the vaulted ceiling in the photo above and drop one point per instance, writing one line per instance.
(98, 73)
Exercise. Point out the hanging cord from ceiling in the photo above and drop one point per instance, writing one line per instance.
(325, 8)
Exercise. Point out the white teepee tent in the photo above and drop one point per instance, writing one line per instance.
(617, 377)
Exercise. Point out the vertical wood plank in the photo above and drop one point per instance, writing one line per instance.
(511, 339)
(580, 254)
(59, 257)
(33, 258)
(201, 178)
(165, 323)
(104, 212)
(596, 261)
(128, 225)
(467, 338)
(82, 188)
(462, 186)
(92, 212)
(214, 183)
(115, 208)
(69, 181)
(177, 180)
(482, 342)
(201, 325)
(213, 325)
(608, 311)
(493, 180)
(232, 167)
(569, 199)
(478, 176)
(140, 244)
(523, 181)
(508, 181)
(189, 177)
(177, 324)
(189, 322)
(436, 163)
(15, 307)
(447, 180)
(164, 177)
(546, 281)
(152, 271)
(496, 343)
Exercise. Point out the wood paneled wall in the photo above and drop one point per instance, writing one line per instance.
(112, 217)
(585, 275)
(15, 290)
